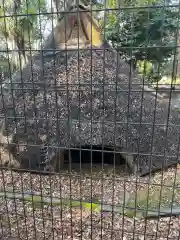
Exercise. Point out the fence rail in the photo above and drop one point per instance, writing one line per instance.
(89, 121)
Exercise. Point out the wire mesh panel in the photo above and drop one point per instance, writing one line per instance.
(89, 119)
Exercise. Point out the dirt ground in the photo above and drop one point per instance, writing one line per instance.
(30, 221)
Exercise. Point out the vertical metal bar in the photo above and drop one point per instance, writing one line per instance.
(127, 126)
(25, 122)
(57, 135)
(91, 123)
(35, 113)
(102, 122)
(6, 120)
(2, 171)
(47, 121)
(177, 35)
(152, 139)
(113, 11)
(24, 206)
(1, 224)
(166, 133)
(116, 107)
(68, 120)
(79, 115)
(57, 119)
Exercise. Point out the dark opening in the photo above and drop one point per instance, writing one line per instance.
(96, 155)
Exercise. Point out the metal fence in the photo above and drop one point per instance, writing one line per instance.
(90, 130)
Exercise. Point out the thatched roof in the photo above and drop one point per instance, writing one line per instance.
(90, 97)
(76, 25)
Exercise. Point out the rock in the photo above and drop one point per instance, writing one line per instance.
(65, 106)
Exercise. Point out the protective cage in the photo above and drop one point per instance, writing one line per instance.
(89, 119)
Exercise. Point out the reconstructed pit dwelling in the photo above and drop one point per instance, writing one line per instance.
(77, 91)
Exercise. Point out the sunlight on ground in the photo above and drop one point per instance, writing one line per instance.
(167, 80)
(162, 190)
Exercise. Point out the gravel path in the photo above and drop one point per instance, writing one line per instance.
(47, 222)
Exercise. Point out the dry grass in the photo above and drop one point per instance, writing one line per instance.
(47, 222)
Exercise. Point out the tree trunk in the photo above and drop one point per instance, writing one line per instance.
(16, 57)
(133, 63)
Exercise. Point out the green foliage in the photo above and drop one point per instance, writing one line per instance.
(144, 34)
(144, 67)
(20, 23)
(22, 17)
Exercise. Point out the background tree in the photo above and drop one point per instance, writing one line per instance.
(20, 26)
(146, 37)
